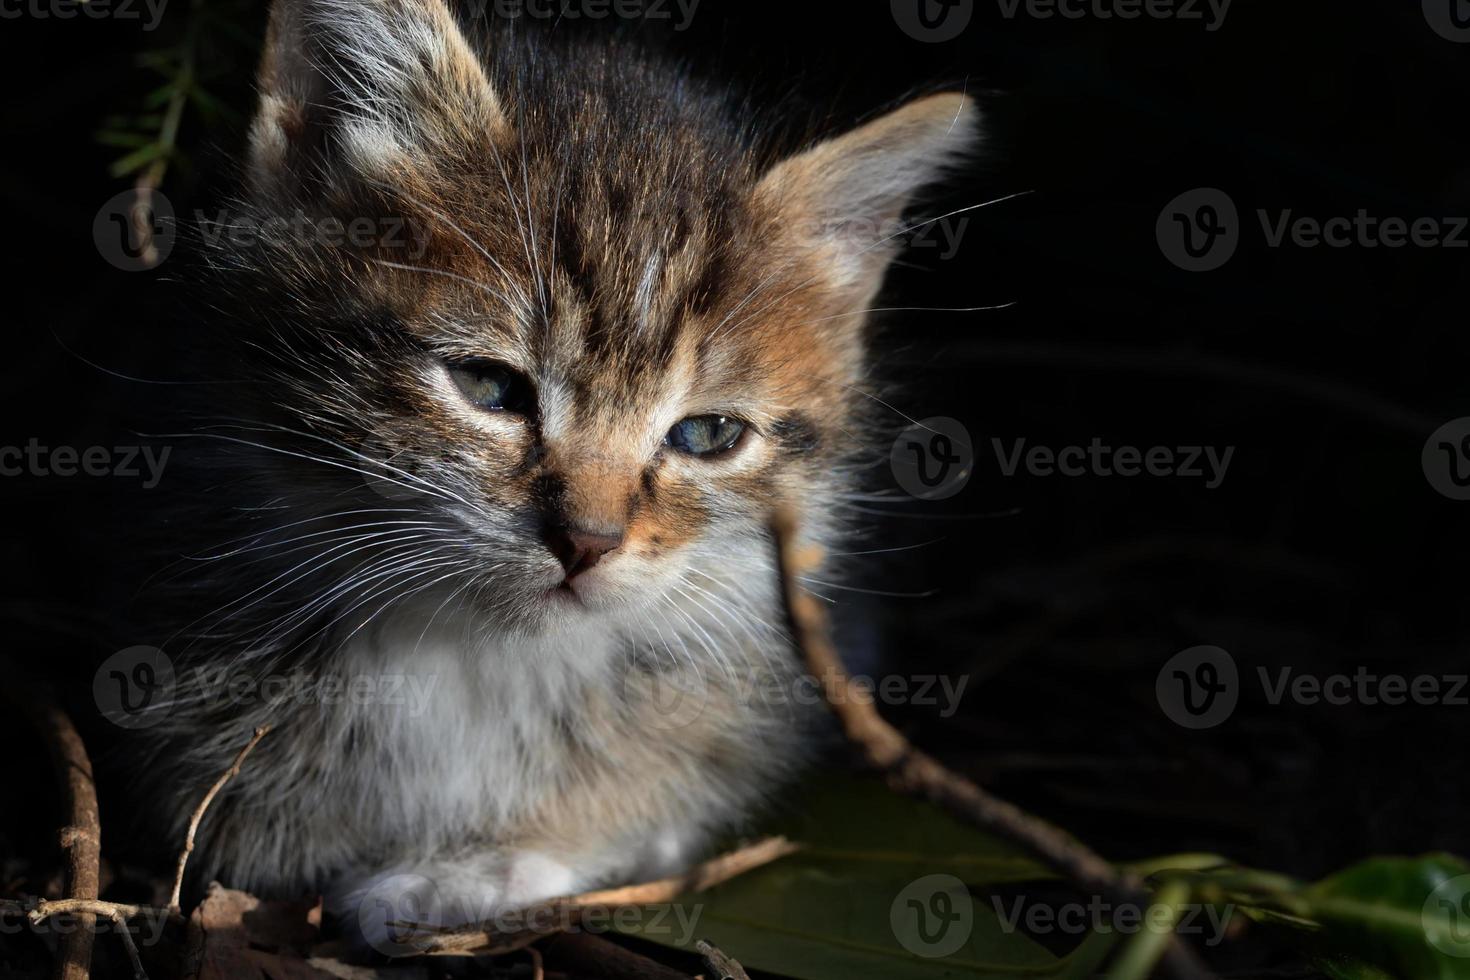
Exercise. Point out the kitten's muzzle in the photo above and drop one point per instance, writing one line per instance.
(579, 549)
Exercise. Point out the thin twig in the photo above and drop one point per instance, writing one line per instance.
(722, 966)
(121, 923)
(913, 773)
(488, 938)
(219, 784)
(39, 910)
(81, 835)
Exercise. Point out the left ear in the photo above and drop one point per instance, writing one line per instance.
(841, 199)
(353, 87)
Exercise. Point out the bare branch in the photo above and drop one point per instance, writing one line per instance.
(194, 821)
(913, 773)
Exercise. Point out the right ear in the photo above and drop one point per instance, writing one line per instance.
(371, 86)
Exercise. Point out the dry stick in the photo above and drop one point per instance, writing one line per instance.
(913, 773)
(88, 909)
(219, 784)
(121, 923)
(81, 836)
(487, 940)
(720, 965)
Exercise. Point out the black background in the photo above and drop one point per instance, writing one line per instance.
(1325, 549)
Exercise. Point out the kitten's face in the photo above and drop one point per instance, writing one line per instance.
(616, 342)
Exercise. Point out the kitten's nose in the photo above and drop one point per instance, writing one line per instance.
(578, 549)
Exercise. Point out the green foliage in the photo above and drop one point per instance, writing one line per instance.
(879, 872)
(212, 46)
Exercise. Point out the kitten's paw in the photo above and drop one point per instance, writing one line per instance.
(393, 912)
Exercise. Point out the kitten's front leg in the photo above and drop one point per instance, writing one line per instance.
(384, 912)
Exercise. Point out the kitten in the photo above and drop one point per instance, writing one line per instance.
(497, 475)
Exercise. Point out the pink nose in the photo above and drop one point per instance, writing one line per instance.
(579, 550)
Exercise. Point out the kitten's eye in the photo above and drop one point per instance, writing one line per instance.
(706, 435)
(493, 386)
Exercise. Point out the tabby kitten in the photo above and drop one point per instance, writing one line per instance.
(497, 480)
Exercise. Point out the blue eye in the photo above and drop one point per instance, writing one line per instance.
(706, 435)
(492, 386)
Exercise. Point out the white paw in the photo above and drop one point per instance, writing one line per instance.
(390, 912)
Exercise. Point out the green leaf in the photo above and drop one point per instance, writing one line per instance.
(879, 891)
(136, 160)
(1350, 968)
(846, 820)
(124, 140)
(1408, 916)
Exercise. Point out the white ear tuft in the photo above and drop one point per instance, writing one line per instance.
(377, 78)
(845, 198)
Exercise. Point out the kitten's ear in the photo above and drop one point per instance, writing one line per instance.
(369, 85)
(841, 199)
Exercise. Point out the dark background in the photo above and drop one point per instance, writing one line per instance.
(1326, 548)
